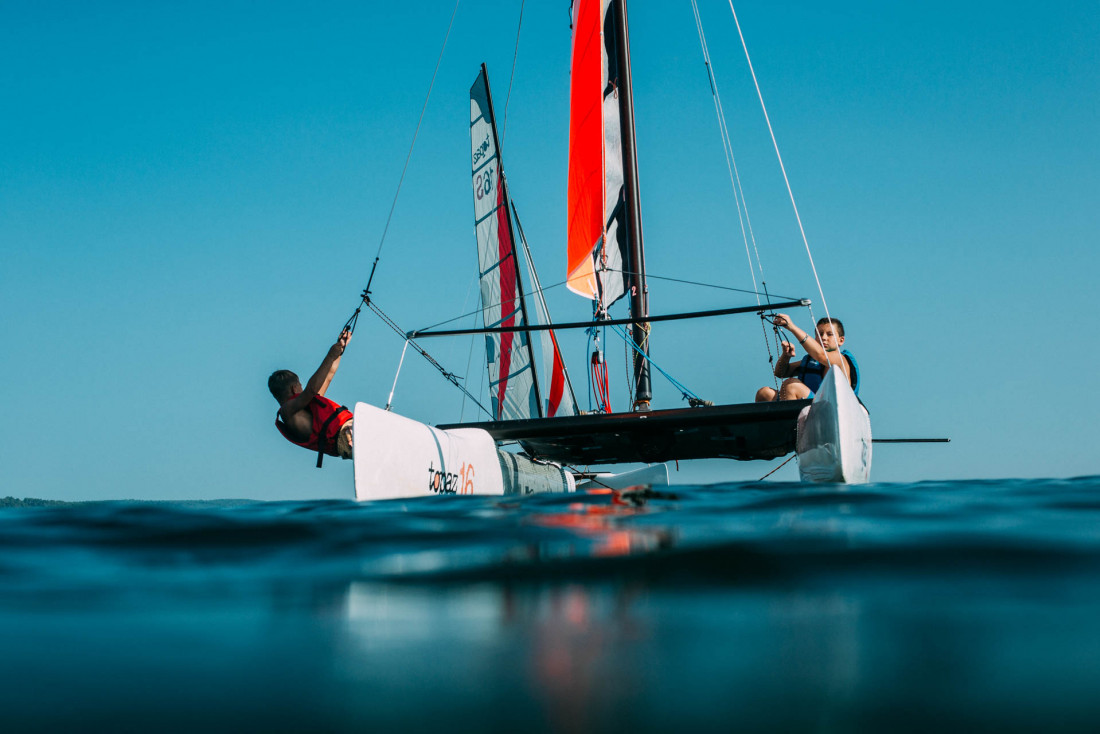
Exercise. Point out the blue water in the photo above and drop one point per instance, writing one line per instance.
(747, 607)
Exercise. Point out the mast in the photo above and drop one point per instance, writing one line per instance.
(639, 291)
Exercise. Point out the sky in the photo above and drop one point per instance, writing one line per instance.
(192, 194)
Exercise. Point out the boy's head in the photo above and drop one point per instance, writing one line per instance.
(831, 333)
(283, 384)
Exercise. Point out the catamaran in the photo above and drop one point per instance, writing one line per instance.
(532, 402)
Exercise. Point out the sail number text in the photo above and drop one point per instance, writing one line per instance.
(483, 183)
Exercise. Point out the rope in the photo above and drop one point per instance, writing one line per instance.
(773, 471)
(768, 344)
(629, 383)
(782, 168)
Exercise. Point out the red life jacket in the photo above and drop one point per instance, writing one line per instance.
(328, 419)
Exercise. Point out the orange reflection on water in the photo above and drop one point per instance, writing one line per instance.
(602, 523)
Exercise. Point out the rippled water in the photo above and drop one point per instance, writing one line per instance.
(958, 605)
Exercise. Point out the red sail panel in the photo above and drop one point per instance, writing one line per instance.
(509, 302)
(586, 179)
(557, 382)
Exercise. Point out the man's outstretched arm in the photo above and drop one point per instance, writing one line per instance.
(320, 380)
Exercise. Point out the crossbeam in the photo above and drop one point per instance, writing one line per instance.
(612, 322)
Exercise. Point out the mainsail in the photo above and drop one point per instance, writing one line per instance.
(598, 245)
(513, 384)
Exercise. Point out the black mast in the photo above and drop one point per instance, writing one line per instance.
(639, 291)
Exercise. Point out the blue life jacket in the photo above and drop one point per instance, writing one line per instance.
(811, 372)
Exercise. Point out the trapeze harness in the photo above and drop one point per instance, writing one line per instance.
(811, 372)
(328, 419)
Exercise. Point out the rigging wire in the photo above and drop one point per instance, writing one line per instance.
(779, 156)
(400, 364)
(450, 376)
(706, 285)
(684, 391)
(480, 308)
(731, 161)
(404, 170)
(508, 96)
(470, 356)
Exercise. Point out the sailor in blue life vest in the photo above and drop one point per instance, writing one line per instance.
(305, 416)
(822, 353)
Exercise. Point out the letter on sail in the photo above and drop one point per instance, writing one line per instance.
(597, 234)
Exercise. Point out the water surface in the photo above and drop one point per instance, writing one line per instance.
(761, 606)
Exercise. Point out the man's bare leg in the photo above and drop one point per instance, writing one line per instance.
(793, 389)
(765, 395)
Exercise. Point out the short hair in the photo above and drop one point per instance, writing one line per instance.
(835, 322)
(280, 381)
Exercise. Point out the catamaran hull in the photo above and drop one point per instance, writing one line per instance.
(399, 457)
(834, 435)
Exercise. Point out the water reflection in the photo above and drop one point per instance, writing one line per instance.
(705, 609)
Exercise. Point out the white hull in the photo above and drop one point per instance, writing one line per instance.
(398, 457)
(834, 435)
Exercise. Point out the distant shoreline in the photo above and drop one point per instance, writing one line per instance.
(10, 502)
(30, 502)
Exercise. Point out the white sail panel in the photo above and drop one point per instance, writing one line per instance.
(512, 387)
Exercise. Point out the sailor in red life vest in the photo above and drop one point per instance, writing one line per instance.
(306, 417)
(802, 382)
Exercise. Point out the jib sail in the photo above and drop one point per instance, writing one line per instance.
(513, 383)
(513, 388)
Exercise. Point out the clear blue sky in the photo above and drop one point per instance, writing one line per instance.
(191, 195)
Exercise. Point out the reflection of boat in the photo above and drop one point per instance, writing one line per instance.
(534, 405)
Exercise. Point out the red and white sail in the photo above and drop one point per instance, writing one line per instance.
(513, 383)
(512, 387)
(597, 246)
